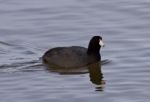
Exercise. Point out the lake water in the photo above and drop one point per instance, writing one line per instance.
(28, 28)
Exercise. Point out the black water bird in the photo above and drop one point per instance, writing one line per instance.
(74, 56)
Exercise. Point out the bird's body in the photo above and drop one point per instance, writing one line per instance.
(74, 56)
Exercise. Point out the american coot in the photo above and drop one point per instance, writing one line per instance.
(74, 56)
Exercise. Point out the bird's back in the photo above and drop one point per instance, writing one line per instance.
(74, 56)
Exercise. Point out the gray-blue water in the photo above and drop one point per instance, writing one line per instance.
(28, 28)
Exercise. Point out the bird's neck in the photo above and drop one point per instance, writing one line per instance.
(94, 51)
(95, 55)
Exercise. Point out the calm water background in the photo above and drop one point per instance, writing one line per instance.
(30, 27)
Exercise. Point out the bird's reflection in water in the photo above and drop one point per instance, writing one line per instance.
(94, 70)
(96, 76)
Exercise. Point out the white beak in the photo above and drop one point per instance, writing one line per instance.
(101, 43)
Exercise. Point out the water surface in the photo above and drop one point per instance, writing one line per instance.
(29, 28)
